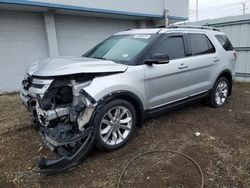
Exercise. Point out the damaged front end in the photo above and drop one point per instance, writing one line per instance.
(62, 109)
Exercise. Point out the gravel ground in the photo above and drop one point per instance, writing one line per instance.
(222, 149)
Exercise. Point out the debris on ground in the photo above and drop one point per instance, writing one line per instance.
(197, 134)
(212, 138)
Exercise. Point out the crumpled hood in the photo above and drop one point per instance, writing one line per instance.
(73, 65)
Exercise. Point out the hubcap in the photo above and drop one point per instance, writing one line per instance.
(221, 93)
(116, 125)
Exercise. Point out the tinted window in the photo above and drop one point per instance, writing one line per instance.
(200, 44)
(225, 42)
(173, 46)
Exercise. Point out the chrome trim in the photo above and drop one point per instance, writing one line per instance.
(42, 82)
(178, 99)
(198, 93)
(33, 91)
(38, 90)
(168, 103)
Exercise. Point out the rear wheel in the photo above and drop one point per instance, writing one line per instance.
(115, 124)
(219, 93)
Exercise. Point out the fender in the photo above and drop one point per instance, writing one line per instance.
(130, 97)
(228, 74)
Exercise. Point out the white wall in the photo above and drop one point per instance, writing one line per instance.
(77, 34)
(240, 37)
(178, 8)
(149, 6)
(22, 41)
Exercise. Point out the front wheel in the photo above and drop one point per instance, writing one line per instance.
(219, 93)
(115, 124)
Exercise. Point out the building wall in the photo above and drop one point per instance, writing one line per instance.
(148, 8)
(22, 40)
(237, 29)
(240, 37)
(177, 8)
(76, 34)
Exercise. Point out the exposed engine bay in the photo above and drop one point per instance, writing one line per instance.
(61, 110)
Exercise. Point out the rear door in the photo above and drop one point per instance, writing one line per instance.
(201, 64)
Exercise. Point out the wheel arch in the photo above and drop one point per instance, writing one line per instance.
(227, 74)
(130, 97)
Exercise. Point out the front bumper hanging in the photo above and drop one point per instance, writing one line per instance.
(65, 163)
(69, 142)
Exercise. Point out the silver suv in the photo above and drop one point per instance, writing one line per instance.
(101, 97)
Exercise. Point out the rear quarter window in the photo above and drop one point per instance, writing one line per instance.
(225, 43)
(200, 44)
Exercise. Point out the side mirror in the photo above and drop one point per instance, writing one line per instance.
(158, 58)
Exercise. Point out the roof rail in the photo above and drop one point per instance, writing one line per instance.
(193, 27)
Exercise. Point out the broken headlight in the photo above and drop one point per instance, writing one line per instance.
(60, 91)
(63, 95)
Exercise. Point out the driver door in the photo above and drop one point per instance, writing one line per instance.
(166, 83)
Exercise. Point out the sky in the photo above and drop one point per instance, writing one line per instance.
(209, 9)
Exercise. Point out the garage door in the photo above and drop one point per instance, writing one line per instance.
(22, 41)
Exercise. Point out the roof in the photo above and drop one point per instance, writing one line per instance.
(224, 21)
(57, 6)
(85, 9)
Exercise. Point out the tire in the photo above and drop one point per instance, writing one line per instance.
(111, 134)
(219, 93)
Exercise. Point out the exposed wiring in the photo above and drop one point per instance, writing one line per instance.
(56, 116)
(162, 151)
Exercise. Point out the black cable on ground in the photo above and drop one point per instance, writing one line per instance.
(162, 151)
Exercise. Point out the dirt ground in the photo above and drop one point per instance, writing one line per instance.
(222, 150)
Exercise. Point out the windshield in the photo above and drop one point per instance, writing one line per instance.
(120, 48)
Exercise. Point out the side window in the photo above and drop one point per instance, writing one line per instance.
(173, 46)
(224, 41)
(200, 44)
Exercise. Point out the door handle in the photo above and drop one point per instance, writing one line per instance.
(183, 66)
(216, 59)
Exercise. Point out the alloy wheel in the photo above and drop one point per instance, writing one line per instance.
(221, 93)
(116, 125)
